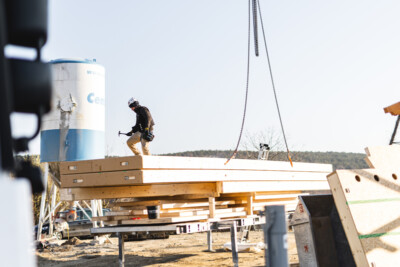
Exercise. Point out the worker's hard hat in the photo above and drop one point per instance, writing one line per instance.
(133, 102)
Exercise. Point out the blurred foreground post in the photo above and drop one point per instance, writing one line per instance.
(275, 237)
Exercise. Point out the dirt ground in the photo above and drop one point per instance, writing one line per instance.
(177, 250)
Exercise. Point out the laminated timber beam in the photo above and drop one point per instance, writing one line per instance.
(73, 194)
(269, 186)
(184, 163)
(117, 178)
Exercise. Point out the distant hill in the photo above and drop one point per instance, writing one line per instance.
(339, 160)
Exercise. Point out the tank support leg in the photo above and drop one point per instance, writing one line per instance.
(235, 256)
(121, 251)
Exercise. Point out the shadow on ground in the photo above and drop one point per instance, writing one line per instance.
(112, 260)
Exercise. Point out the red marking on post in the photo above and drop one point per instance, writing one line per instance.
(301, 208)
(305, 248)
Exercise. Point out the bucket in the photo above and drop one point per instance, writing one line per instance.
(153, 212)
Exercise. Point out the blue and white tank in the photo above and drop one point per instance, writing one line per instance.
(75, 127)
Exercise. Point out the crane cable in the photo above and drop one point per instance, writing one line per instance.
(247, 89)
(273, 83)
(255, 3)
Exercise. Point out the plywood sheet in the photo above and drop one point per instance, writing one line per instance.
(368, 202)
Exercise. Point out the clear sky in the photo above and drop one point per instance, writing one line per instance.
(336, 64)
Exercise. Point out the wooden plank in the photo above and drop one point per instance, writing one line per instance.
(368, 202)
(278, 196)
(102, 179)
(178, 176)
(265, 186)
(230, 214)
(393, 109)
(101, 165)
(72, 194)
(164, 220)
(257, 195)
(276, 199)
(169, 176)
(168, 162)
(170, 204)
(217, 213)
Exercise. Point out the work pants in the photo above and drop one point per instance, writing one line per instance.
(136, 138)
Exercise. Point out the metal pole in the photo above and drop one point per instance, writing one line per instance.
(395, 130)
(100, 211)
(43, 201)
(234, 246)
(52, 208)
(209, 241)
(121, 251)
(275, 237)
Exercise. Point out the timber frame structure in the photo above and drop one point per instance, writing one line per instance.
(192, 194)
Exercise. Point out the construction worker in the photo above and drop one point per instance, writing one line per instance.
(143, 130)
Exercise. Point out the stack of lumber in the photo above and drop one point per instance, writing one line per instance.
(368, 202)
(188, 189)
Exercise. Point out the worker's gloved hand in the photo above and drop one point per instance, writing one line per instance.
(129, 134)
(148, 136)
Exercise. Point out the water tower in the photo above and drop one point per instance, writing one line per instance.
(75, 128)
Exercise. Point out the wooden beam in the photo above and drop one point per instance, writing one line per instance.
(393, 109)
(184, 163)
(118, 178)
(265, 186)
(162, 220)
(72, 194)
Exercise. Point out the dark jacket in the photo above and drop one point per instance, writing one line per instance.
(143, 119)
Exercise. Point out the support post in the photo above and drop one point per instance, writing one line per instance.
(209, 241)
(211, 203)
(275, 237)
(121, 255)
(43, 201)
(234, 245)
(94, 212)
(52, 208)
(249, 206)
(100, 210)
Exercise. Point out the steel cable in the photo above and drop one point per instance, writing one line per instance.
(247, 87)
(273, 83)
